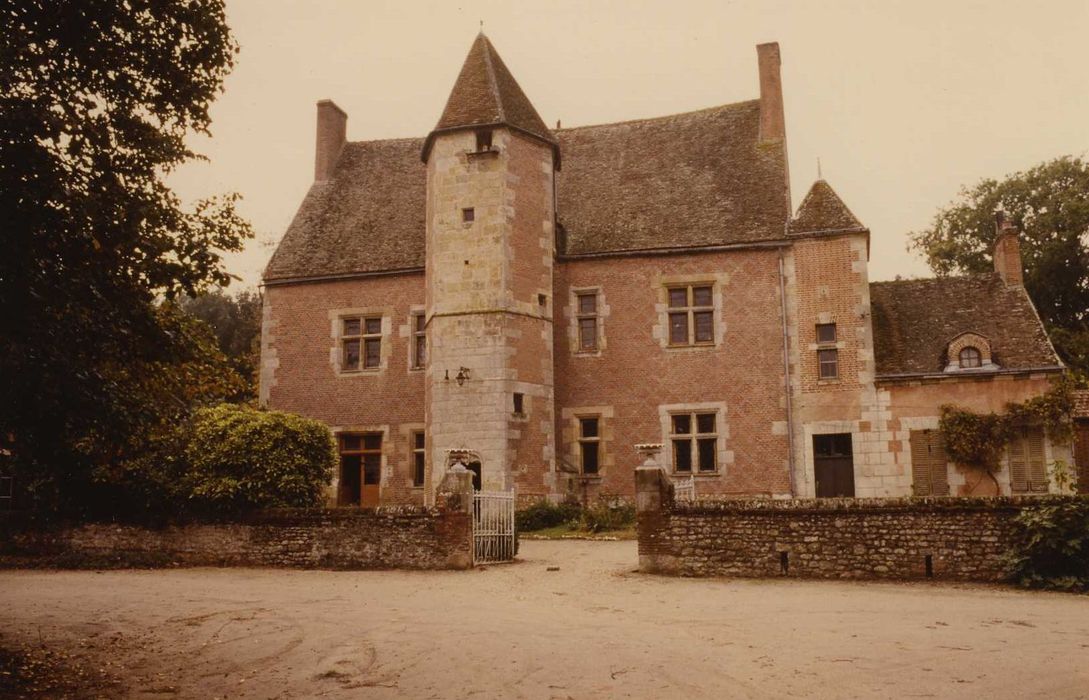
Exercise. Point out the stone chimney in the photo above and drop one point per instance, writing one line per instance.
(332, 135)
(772, 124)
(1007, 251)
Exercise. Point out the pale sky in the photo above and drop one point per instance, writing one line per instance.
(903, 102)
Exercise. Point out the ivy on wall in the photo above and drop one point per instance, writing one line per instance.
(978, 439)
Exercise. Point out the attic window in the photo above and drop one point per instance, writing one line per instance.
(483, 140)
(970, 357)
(468, 215)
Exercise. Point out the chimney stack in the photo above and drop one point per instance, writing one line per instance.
(332, 135)
(772, 123)
(1007, 251)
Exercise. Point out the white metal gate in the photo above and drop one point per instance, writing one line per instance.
(493, 526)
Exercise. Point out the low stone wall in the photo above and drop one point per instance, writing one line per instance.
(404, 537)
(962, 539)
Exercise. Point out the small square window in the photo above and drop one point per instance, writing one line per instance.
(705, 423)
(826, 333)
(484, 140)
(587, 303)
(468, 215)
(542, 299)
(519, 404)
(373, 326)
(691, 315)
(678, 297)
(701, 296)
(351, 326)
(682, 424)
(588, 426)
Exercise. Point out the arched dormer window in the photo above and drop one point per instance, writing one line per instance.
(969, 352)
(970, 358)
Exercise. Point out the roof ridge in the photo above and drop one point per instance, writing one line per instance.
(660, 117)
(939, 278)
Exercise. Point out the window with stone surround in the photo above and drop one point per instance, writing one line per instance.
(827, 353)
(590, 444)
(586, 308)
(419, 341)
(691, 315)
(695, 442)
(360, 343)
(418, 459)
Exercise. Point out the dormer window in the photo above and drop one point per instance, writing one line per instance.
(483, 140)
(970, 357)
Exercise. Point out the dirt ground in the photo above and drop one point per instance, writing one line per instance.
(592, 629)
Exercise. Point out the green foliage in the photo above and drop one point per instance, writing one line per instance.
(545, 514)
(978, 439)
(1050, 548)
(607, 514)
(236, 322)
(1050, 204)
(242, 458)
(97, 101)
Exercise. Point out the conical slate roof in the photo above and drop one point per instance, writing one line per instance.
(822, 211)
(486, 94)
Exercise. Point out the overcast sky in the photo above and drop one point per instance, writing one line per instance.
(903, 102)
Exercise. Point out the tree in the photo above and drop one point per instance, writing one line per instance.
(1050, 204)
(96, 101)
(236, 322)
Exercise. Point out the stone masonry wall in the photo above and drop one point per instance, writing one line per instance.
(965, 539)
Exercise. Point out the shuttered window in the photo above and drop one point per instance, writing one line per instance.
(1028, 471)
(929, 470)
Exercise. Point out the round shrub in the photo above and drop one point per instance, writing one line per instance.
(242, 458)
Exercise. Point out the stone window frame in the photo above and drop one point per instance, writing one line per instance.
(417, 457)
(570, 430)
(661, 284)
(724, 457)
(689, 310)
(817, 347)
(415, 335)
(337, 318)
(963, 341)
(572, 312)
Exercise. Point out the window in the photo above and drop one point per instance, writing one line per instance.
(970, 357)
(418, 459)
(827, 357)
(484, 140)
(589, 444)
(519, 404)
(468, 215)
(587, 321)
(361, 343)
(691, 315)
(419, 341)
(695, 441)
(929, 473)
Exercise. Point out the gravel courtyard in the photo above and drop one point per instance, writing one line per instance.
(592, 629)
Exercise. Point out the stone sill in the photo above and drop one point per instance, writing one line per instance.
(491, 153)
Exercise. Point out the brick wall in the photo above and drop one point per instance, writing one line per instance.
(635, 383)
(966, 539)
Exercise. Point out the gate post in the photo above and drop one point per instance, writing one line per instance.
(455, 503)
(653, 506)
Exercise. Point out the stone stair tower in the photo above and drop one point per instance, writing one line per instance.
(490, 249)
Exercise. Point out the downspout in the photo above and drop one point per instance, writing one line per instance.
(786, 374)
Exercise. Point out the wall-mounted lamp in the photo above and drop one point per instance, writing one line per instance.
(463, 374)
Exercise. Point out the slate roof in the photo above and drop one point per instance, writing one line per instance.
(1081, 403)
(822, 211)
(695, 179)
(914, 320)
(369, 217)
(486, 93)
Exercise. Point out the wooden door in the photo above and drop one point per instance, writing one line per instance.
(1028, 472)
(348, 493)
(929, 465)
(372, 480)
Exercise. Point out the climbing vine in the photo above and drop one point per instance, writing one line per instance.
(977, 439)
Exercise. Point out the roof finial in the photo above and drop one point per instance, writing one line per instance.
(819, 176)
(481, 26)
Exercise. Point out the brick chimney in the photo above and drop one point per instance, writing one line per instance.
(1007, 251)
(332, 135)
(772, 124)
